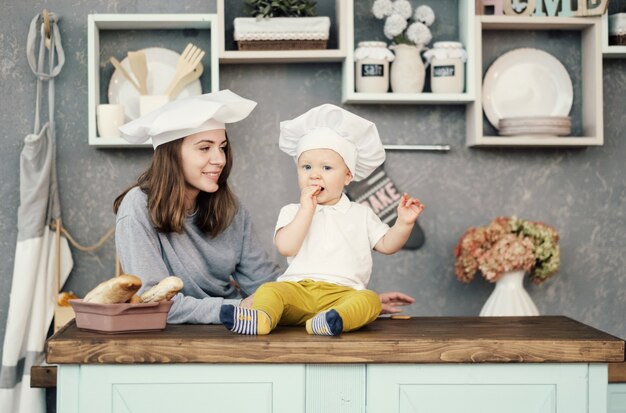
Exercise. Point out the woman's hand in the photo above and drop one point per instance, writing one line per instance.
(392, 300)
(247, 302)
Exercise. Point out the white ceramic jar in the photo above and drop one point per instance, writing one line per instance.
(371, 68)
(447, 67)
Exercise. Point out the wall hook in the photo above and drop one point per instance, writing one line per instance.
(46, 27)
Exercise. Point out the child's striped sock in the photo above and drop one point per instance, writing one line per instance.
(328, 323)
(245, 320)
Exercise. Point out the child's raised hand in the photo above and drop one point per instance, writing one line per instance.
(409, 209)
(308, 196)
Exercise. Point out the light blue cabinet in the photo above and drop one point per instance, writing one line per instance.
(617, 398)
(487, 388)
(181, 388)
(329, 388)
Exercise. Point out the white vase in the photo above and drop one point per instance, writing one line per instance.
(407, 70)
(509, 298)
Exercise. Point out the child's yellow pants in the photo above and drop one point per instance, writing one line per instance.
(293, 303)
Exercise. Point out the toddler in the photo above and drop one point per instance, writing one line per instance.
(326, 238)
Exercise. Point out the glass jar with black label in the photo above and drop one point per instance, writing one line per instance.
(447, 67)
(372, 67)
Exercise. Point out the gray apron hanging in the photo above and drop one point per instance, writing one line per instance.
(34, 288)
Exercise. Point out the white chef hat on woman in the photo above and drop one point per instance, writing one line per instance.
(328, 126)
(187, 116)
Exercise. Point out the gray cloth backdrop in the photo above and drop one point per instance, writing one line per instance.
(582, 192)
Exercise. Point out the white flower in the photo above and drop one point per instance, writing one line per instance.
(403, 8)
(418, 33)
(394, 25)
(425, 15)
(382, 8)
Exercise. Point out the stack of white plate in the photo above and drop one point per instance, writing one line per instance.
(528, 92)
(535, 125)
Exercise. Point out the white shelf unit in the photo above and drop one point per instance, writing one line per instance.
(609, 51)
(591, 64)
(466, 11)
(99, 22)
(284, 56)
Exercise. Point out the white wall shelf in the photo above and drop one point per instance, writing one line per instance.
(594, 44)
(99, 22)
(466, 13)
(609, 51)
(284, 56)
(591, 66)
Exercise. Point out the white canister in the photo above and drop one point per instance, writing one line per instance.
(372, 67)
(447, 67)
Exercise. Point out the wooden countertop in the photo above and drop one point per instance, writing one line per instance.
(544, 339)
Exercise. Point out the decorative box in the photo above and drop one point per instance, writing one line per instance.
(281, 33)
(120, 318)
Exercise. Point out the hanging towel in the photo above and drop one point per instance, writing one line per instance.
(34, 288)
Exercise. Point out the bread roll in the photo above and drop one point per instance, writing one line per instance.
(163, 291)
(116, 290)
(135, 299)
(64, 297)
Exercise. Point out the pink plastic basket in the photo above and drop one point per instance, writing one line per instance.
(120, 318)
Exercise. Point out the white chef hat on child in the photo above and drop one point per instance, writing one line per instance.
(328, 126)
(187, 116)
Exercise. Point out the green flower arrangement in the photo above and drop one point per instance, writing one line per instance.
(508, 244)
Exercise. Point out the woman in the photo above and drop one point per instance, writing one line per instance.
(181, 217)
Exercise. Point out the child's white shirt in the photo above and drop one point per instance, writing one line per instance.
(338, 246)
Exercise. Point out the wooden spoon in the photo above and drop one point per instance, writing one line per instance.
(139, 66)
(124, 73)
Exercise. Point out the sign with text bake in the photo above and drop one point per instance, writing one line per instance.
(380, 194)
(561, 8)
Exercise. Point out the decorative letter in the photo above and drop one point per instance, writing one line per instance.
(584, 10)
(392, 191)
(508, 8)
(496, 4)
(383, 198)
(552, 8)
(376, 206)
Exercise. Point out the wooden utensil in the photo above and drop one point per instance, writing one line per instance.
(197, 72)
(139, 66)
(124, 73)
(189, 59)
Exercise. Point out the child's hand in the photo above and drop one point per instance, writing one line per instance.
(308, 197)
(409, 209)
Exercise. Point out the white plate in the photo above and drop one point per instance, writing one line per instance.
(161, 68)
(526, 82)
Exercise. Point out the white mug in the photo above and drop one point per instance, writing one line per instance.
(110, 118)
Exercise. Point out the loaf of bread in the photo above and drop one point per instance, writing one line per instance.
(135, 299)
(116, 290)
(163, 291)
(64, 298)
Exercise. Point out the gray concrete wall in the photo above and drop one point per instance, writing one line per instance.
(579, 191)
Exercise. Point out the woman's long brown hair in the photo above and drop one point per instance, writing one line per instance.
(164, 184)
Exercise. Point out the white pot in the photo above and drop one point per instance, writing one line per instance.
(447, 67)
(407, 70)
(509, 298)
(371, 67)
(447, 76)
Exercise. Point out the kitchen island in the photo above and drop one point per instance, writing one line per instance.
(430, 364)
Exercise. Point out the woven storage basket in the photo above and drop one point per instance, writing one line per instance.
(281, 44)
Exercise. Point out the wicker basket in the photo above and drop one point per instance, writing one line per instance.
(617, 40)
(281, 44)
